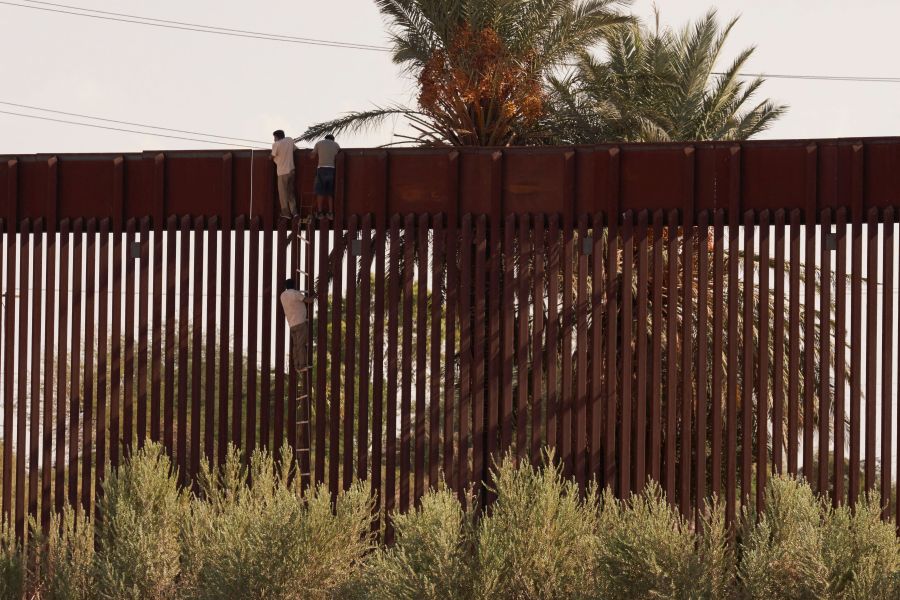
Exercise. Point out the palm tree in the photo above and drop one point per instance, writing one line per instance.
(659, 85)
(481, 65)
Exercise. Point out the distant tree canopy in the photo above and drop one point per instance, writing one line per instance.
(531, 72)
(658, 85)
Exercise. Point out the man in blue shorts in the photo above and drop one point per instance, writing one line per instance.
(325, 151)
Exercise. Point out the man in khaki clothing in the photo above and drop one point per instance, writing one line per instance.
(294, 303)
(283, 156)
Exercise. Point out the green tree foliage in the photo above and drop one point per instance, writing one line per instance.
(660, 85)
(524, 72)
(480, 65)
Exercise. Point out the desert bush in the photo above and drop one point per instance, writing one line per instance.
(267, 540)
(431, 557)
(781, 550)
(861, 552)
(63, 568)
(648, 550)
(12, 565)
(542, 538)
(251, 532)
(141, 511)
(536, 540)
(716, 553)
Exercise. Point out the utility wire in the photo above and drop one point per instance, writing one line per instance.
(67, 122)
(356, 45)
(820, 77)
(278, 35)
(275, 37)
(853, 78)
(71, 114)
(197, 27)
(137, 20)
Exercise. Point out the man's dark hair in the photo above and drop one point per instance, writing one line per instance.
(289, 283)
(279, 134)
(329, 137)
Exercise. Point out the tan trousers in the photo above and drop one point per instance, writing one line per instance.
(300, 344)
(286, 195)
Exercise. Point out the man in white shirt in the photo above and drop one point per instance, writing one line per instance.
(283, 156)
(293, 302)
(325, 151)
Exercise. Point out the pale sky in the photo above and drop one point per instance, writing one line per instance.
(234, 86)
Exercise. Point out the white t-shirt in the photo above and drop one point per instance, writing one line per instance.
(283, 155)
(293, 302)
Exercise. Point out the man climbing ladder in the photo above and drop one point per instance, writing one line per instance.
(295, 311)
(303, 273)
(296, 299)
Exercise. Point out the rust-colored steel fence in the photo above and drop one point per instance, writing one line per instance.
(703, 315)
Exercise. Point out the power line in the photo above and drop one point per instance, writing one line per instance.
(214, 27)
(138, 20)
(67, 122)
(802, 77)
(854, 78)
(71, 114)
(197, 27)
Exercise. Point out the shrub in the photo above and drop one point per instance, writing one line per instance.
(541, 538)
(269, 541)
(64, 566)
(431, 557)
(537, 539)
(12, 567)
(716, 553)
(648, 550)
(141, 515)
(781, 554)
(861, 552)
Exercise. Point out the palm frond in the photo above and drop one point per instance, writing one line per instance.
(662, 87)
(355, 122)
(412, 33)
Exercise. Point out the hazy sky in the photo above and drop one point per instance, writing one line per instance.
(241, 87)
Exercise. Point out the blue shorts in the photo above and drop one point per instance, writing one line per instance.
(324, 185)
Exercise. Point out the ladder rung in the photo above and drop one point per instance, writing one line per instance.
(302, 422)
(291, 237)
